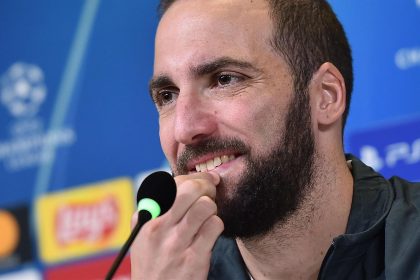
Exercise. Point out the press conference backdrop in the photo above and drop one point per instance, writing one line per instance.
(78, 129)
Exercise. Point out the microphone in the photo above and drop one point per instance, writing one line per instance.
(155, 197)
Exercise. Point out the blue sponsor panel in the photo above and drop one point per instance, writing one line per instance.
(32, 55)
(74, 102)
(392, 149)
(385, 40)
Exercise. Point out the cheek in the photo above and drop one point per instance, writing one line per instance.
(260, 122)
(269, 126)
(167, 141)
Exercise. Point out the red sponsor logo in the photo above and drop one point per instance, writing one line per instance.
(94, 269)
(86, 222)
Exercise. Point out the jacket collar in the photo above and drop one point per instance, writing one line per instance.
(372, 200)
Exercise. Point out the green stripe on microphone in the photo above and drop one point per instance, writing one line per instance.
(149, 205)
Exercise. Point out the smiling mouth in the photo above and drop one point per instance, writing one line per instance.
(213, 163)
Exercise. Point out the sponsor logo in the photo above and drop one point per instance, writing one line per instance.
(84, 221)
(90, 270)
(395, 153)
(26, 274)
(15, 244)
(25, 151)
(407, 58)
(90, 222)
(392, 148)
(370, 156)
(23, 89)
(22, 92)
(9, 234)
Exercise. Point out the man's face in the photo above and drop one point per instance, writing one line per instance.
(223, 97)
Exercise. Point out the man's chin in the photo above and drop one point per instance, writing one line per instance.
(227, 188)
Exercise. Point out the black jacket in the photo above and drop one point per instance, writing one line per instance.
(382, 240)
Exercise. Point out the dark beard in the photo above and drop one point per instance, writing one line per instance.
(272, 187)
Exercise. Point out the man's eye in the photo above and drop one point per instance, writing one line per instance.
(227, 79)
(164, 97)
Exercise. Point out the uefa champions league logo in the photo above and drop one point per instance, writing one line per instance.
(22, 92)
(22, 89)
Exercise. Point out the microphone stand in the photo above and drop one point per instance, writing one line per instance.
(144, 216)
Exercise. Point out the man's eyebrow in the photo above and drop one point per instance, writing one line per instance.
(160, 81)
(219, 63)
(163, 80)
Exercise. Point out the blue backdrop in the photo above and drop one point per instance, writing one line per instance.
(74, 105)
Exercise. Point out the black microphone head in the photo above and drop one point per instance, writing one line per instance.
(159, 186)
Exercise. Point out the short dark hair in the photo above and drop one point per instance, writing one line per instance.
(306, 34)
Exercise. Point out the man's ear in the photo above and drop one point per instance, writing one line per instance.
(329, 94)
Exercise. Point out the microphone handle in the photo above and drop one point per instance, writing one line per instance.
(144, 216)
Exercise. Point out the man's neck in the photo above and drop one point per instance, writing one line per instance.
(295, 249)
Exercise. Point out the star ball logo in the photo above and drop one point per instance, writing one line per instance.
(23, 89)
(22, 92)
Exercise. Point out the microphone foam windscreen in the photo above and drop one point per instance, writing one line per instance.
(159, 186)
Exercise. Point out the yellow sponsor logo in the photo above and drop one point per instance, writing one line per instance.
(84, 221)
(9, 234)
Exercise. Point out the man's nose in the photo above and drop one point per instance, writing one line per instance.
(195, 119)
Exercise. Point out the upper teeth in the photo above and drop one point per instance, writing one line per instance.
(213, 163)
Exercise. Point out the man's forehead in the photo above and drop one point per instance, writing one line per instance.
(221, 25)
(231, 9)
(219, 4)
